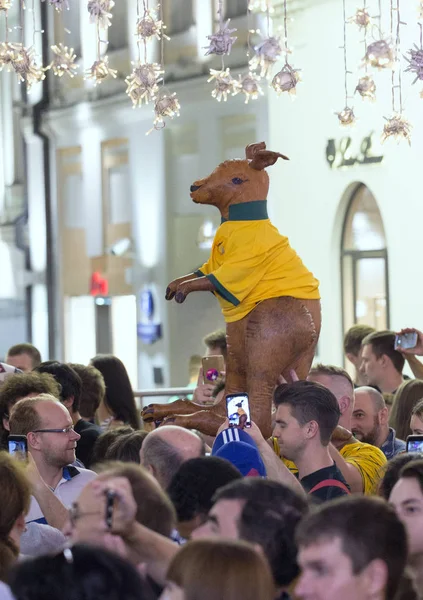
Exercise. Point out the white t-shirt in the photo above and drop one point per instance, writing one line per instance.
(5, 593)
(67, 490)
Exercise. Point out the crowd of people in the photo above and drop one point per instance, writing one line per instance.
(98, 505)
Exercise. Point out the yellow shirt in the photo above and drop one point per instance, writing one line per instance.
(251, 261)
(368, 459)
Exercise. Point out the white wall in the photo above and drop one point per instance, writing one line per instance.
(308, 199)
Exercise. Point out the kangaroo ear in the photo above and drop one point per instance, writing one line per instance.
(265, 158)
(252, 149)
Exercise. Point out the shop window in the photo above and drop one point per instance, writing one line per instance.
(236, 8)
(70, 26)
(364, 263)
(179, 15)
(118, 32)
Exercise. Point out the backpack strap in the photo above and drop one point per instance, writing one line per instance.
(330, 483)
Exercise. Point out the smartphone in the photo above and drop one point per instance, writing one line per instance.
(415, 443)
(238, 410)
(110, 500)
(406, 340)
(18, 446)
(212, 367)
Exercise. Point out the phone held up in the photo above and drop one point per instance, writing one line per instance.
(406, 341)
(415, 443)
(238, 410)
(18, 447)
(212, 368)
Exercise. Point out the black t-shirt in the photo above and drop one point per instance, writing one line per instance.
(328, 492)
(84, 447)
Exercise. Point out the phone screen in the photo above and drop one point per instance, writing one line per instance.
(18, 449)
(415, 445)
(238, 410)
(212, 368)
(406, 341)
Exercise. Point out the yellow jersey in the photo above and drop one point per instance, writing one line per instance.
(368, 459)
(251, 261)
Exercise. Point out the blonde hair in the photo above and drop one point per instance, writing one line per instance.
(221, 570)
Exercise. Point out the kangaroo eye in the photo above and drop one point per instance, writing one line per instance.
(237, 181)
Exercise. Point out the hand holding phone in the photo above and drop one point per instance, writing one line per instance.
(415, 443)
(238, 410)
(18, 447)
(213, 366)
(406, 341)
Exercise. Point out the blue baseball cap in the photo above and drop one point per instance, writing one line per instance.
(239, 448)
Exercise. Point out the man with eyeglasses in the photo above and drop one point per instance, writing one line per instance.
(48, 427)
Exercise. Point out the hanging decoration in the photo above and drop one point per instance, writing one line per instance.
(397, 125)
(346, 116)
(221, 44)
(259, 5)
(380, 55)
(366, 86)
(288, 77)
(249, 85)
(100, 15)
(165, 107)
(268, 51)
(5, 5)
(224, 84)
(100, 12)
(59, 5)
(415, 61)
(63, 61)
(150, 26)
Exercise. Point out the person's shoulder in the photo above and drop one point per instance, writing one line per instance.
(362, 451)
(5, 592)
(79, 474)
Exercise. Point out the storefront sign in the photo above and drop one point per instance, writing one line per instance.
(343, 153)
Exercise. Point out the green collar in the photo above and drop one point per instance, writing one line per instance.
(248, 211)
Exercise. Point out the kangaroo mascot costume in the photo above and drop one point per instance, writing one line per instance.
(269, 300)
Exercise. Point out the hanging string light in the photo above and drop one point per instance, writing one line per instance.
(221, 44)
(249, 85)
(7, 50)
(366, 86)
(415, 61)
(59, 5)
(100, 69)
(397, 125)
(268, 51)
(288, 77)
(346, 117)
(23, 59)
(101, 12)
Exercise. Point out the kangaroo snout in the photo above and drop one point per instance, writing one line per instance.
(194, 188)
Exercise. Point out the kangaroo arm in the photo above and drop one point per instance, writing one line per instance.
(198, 284)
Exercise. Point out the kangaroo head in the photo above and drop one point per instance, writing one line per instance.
(237, 181)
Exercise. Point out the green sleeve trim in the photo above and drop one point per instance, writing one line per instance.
(199, 273)
(222, 291)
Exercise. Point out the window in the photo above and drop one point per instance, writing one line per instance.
(71, 26)
(118, 32)
(179, 15)
(364, 263)
(235, 8)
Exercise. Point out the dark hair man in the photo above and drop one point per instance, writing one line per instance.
(352, 349)
(306, 416)
(24, 357)
(381, 363)
(351, 549)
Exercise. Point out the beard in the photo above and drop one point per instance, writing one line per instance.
(371, 436)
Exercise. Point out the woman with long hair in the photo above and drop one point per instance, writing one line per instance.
(406, 397)
(219, 570)
(16, 497)
(118, 407)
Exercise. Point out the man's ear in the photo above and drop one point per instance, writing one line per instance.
(6, 424)
(69, 403)
(33, 441)
(311, 429)
(384, 416)
(375, 578)
(344, 404)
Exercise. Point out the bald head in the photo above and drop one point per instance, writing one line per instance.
(35, 412)
(166, 448)
(370, 396)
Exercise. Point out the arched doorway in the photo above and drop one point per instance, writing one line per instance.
(364, 263)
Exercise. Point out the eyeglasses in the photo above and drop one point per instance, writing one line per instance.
(66, 430)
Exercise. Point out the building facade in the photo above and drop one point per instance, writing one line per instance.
(110, 221)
